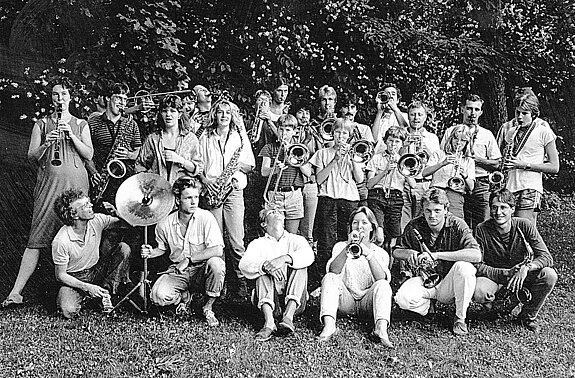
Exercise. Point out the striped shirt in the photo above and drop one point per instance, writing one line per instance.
(291, 176)
(104, 134)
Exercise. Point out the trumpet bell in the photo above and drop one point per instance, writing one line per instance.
(409, 165)
(297, 154)
(496, 178)
(354, 249)
(116, 168)
(423, 157)
(362, 151)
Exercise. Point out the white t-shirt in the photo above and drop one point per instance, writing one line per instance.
(380, 162)
(387, 121)
(443, 174)
(533, 152)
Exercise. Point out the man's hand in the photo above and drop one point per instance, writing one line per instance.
(122, 153)
(516, 282)
(182, 265)
(514, 163)
(275, 267)
(210, 184)
(412, 259)
(110, 208)
(96, 291)
(146, 251)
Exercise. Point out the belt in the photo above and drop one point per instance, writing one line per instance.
(381, 190)
(419, 180)
(482, 178)
(289, 188)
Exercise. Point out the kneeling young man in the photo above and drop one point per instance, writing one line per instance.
(515, 257)
(83, 269)
(278, 262)
(195, 245)
(452, 244)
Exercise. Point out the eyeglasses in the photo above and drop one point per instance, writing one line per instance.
(120, 98)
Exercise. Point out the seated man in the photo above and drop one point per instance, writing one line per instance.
(195, 245)
(515, 257)
(80, 266)
(278, 262)
(448, 240)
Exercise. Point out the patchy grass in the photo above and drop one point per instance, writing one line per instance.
(37, 343)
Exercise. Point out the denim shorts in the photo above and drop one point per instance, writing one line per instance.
(528, 199)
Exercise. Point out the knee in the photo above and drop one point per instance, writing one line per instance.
(216, 265)
(330, 280)
(69, 310)
(162, 295)
(483, 293)
(464, 269)
(381, 287)
(549, 276)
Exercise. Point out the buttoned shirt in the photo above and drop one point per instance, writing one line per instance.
(483, 145)
(217, 152)
(340, 183)
(202, 232)
(77, 253)
(392, 180)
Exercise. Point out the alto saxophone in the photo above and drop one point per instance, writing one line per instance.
(498, 178)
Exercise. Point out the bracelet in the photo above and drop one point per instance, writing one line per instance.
(369, 256)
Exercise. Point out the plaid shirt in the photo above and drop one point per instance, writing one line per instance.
(291, 176)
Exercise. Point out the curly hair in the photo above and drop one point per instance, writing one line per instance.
(183, 183)
(62, 205)
(236, 122)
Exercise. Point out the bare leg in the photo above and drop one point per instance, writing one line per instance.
(268, 316)
(209, 303)
(27, 267)
(289, 312)
(328, 326)
(381, 331)
(292, 225)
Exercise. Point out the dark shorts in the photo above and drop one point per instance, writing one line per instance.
(528, 199)
(387, 210)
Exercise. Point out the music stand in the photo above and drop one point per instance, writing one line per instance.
(143, 200)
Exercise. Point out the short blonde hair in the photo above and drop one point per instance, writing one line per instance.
(326, 90)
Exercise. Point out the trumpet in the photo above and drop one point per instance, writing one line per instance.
(56, 161)
(354, 247)
(426, 269)
(382, 97)
(389, 176)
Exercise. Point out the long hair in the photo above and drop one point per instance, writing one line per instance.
(462, 132)
(236, 122)
(370, 217)
(172, 101)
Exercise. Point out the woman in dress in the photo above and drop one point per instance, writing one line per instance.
(59, 145)
(357, 280)
(172, 151)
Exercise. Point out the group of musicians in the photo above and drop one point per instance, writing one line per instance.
(340, 200)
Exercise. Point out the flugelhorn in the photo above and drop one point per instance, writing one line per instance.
(361, 151)
(56, 160)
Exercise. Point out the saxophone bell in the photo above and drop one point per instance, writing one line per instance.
(116, 168)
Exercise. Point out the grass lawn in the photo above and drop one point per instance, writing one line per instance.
(36, 343)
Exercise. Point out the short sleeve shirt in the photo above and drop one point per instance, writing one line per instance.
(339, 183)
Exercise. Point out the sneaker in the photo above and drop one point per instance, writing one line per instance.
(107, 304)
(211, 318)
(460, 328)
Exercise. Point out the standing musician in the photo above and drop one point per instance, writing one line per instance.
(348, 110)
(485, 152)
(509, 124)
(285, 194)
(173, 150)
(453, 169)
(533, 152)
(386, 186)
(337, 176)
(192, 238)
(279, 106)
(327, 100)
(388, 113)
(200, 116)
(448, 241)
(515, 257)
(308, 137)
(82, 266)
(227, 157)
(263, 130)
(278, 262)
(115, 136)
(59, 144)
(421, 140)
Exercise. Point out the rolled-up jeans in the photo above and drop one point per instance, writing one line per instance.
(230, 217)
(336, 299)
(111, 270)
(205, 277)
(456, 287)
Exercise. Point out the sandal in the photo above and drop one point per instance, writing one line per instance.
(13, 299)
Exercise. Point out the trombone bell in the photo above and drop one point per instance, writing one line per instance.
(409, 165)
(361, 151)
(297, 154)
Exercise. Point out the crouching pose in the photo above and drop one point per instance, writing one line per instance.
(84, 270)
(439, 237)
(195, 244)
(515, 257)
(357, 279)
(278, 262)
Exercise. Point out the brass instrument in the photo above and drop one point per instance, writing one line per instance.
(361, 151)
(113, 167)
(382, 97)
(255, 132)
(388, 179)
(498, 178)
(426, 269)
(56, 161)
(456, 182)
(412, 163)
(354, 247)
